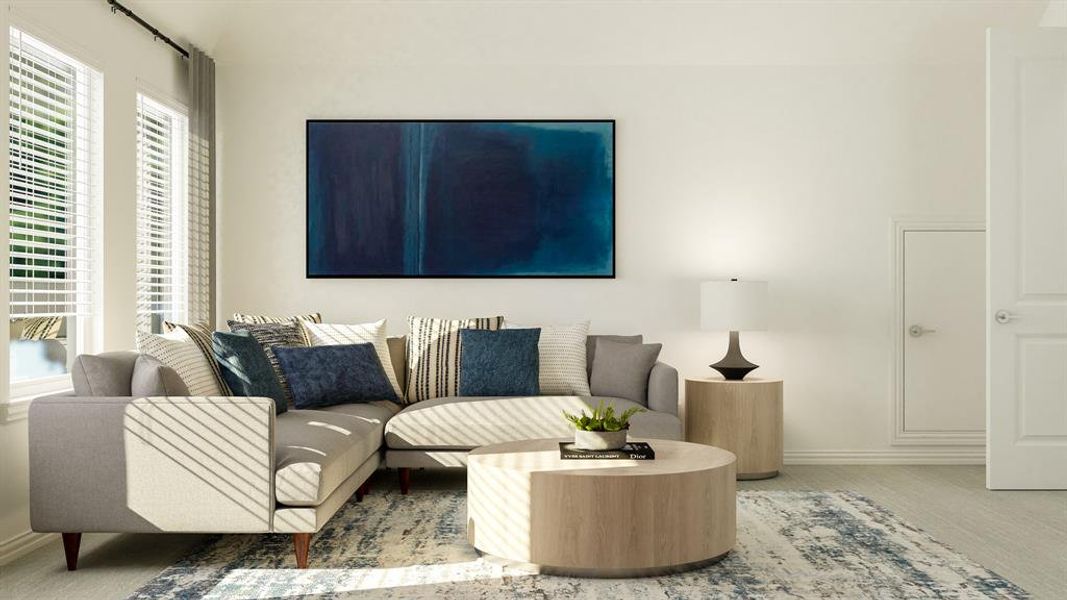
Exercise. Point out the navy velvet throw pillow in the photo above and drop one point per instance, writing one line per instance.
(328, 375)
(245, 367)
(499, 363)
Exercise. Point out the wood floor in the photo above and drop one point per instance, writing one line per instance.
(1020, 535)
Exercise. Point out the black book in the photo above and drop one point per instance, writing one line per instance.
(631, 451)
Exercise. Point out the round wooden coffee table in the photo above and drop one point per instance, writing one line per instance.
(602, 518)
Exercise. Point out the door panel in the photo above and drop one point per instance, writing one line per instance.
(1042, 363)
(944, 337)
(1042, 210)
(1027, 279)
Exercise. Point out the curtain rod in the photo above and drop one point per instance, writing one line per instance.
(156, 34)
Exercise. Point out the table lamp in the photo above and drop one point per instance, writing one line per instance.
(733, 306)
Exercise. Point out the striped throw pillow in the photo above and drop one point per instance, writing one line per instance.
(40, 328)
(321, 334)
(561, 352)
(201, 336)
(177, 351)
(288, 320)
(433, 355)
(270, 335)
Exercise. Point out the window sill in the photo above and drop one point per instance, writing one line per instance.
(15, 410)
(18, 409)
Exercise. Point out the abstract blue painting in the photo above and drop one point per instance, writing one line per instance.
(460, 198)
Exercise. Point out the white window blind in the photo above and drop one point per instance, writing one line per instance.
(162, 215)
(54, 156)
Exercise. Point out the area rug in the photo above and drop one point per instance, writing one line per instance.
(790, 544)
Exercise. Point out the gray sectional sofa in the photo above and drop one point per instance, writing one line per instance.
(119, 463)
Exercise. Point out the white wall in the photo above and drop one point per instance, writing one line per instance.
(779, 173)
(768, 141)
(130, 62)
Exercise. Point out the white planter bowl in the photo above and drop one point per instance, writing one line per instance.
(599, 440)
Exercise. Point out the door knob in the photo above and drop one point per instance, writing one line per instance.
(1003, 316)
(919, 330)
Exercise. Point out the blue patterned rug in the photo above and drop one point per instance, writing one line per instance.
(789, 545)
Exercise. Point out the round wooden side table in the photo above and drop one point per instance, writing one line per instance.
(602, 518)
(744, 417)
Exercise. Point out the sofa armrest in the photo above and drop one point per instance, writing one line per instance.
(159, 464)
(663, 389)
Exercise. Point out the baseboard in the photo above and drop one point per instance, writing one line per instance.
(974, 456)
(23, 544)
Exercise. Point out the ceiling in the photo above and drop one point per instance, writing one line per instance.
(588, 32)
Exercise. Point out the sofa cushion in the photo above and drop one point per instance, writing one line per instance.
(153, 378)
(260, 319)
(316, 450)
(201, 336)
(271, 335)
(622, 369)
(498, 363)
(105, 374)
(326, 334)
(178, 351)
(327, 375)
(590, 346)
(433, 355)
(245, 368)
(561, 357)
(298, 320)
(398, 350)
(463, 423)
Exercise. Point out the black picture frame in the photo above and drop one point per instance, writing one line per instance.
(614, 202)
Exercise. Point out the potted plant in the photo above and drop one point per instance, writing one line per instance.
(602, 430)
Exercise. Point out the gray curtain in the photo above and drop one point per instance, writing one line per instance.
(201, 187)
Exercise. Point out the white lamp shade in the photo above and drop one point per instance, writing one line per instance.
(733, 305)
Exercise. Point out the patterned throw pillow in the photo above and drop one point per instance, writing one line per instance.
(201, 336)
(180, 353)
(433, 355)
(245, 367)
(263, 319)
(287, 319)
(561, 350)
(336, 374)
(40, 328)
(270, 335)
(498, 363)
(320, 334)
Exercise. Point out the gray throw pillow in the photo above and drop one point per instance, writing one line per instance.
(621, 370)
(106, 374)
(153, 378)
(590, 346)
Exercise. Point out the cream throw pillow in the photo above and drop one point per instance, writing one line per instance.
(178, 351)
(326, 334)
(561, 352)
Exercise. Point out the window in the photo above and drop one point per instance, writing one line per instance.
(162, 215)
(54, 183)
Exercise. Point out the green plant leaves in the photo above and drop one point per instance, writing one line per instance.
(603, 418)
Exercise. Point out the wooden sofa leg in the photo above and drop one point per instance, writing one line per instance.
(361, 491)
(302, 544)
(405, 480)
(71, 543)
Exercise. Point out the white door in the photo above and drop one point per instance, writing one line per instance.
(944, 334)
(1027, 229)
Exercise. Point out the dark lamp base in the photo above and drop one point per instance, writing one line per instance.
(734, 366)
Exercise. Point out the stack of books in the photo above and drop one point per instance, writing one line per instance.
(631, 451)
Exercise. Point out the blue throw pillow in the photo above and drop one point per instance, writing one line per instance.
(328, 375)
(245, 367)
(498, 363)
